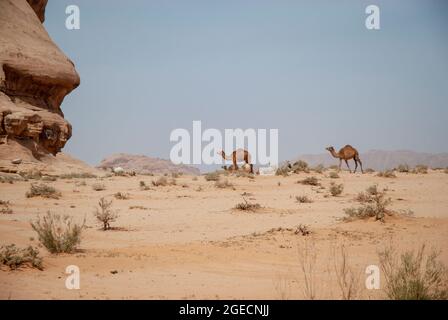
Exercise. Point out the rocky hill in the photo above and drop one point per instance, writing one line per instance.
(145, 165)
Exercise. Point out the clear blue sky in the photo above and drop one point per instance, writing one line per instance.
(309, 68)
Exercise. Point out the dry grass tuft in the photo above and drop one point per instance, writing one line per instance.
(222, 184)
(14, 258)
(212, 176)
(43, 190)
(310, 181)
(336, 189)
(387, 174)
(246, 206)
(303, 199)
(58, 233)
(414, 275)
(98, 186)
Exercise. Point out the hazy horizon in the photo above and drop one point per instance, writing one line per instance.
(308, 68)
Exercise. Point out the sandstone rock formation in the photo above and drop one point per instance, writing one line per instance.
(145, 165)
(35, 76)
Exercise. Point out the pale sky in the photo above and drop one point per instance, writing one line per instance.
(310, 69)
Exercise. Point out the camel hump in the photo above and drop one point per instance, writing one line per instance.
(348, 146)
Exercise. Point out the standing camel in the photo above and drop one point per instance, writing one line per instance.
(237, 156)
(346, 153)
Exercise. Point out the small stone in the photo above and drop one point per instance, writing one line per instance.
(16, 161)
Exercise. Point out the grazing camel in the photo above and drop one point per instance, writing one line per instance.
(346, 153)
(237, 156)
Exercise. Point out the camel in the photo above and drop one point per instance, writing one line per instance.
(346, 153)
(237, 156)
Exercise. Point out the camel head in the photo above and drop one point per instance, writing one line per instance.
(331, 149)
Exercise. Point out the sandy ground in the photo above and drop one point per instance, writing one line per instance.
(190, 243)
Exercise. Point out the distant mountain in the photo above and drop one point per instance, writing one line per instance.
(381, 159)
(144, 164)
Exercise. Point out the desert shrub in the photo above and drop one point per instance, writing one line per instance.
(386, 174)
(104, 213)
(14, 258)
(163, 182)
(212, 176)
(223, 184)
(303, 199)
(336, 189)
(414, 275)
(175, 175)
(376, 207)
(403, 168)
(319, 168)
(138, 207)
(311, 181)
(420, 169)
(58, 233)
(347, 278)
(98, 186)
(368, 195)
(49, 178)
(283, 171)
(333, 175)
(246, 206)
(369, 170)
(31, 174)
(143, 185)
(303, 230)
(333, 167)
(446, 170)
(121, 196)
(81, 183)
(42, 190)
(194, 179)
(4, 207)
(244, 174)
(77, 175)
(300, 166)
(307, 258)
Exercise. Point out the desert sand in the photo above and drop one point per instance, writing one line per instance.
(187, 241)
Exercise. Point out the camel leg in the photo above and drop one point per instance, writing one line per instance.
(356, 165)
(235, 166)
(251, 168)
(340, 164)
(360, 163)
(346, 162)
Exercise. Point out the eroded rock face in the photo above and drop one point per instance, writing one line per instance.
(35, 76)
